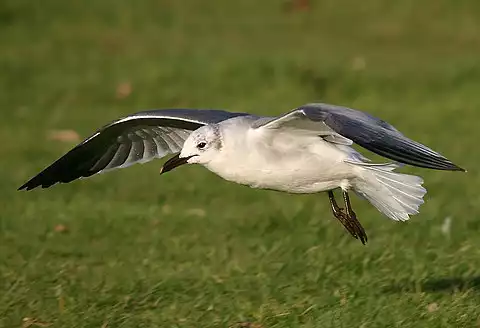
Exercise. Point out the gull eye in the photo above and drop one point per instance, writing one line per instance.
(201, 145)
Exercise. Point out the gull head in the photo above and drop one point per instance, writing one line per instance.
(201, 147)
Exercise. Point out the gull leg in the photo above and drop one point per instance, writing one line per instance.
(352, 219)
(341, 216)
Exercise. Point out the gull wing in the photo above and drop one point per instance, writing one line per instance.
(361, 128)
(137, 138)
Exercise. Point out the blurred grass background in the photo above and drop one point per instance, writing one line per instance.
(131, 249)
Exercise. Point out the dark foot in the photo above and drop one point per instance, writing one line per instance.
(348, 219)
(353, 219)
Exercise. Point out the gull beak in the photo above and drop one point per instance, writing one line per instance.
(174, 162)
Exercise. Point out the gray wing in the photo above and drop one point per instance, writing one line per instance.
(137, 138)
(362, 128)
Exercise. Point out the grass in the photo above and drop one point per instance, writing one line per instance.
(190, 250)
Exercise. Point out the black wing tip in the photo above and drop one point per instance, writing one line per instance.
(27, 186)
(443, 163)
(457, 168)
(34, 183)
(446, 166)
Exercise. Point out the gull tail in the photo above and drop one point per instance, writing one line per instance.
(394, 194)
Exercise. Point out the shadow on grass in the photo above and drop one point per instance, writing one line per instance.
(438, 285)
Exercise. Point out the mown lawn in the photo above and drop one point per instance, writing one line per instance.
(187, 249)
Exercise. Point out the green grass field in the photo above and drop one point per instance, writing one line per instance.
(188, 249)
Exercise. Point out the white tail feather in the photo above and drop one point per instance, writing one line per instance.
(394, 194)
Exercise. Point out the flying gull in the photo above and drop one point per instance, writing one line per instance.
(306, 150)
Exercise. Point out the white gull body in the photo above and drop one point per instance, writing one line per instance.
(293, 161)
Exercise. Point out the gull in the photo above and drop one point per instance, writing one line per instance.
(307, 150)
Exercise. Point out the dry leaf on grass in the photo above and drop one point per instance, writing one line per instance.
(432, 307)
(196, 212)
(166, 209)
(123, 90)
(61, 228)
(31, 322)
(298, 5)
(155, 222)
(63, 135)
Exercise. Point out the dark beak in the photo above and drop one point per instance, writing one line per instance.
(174, 162)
